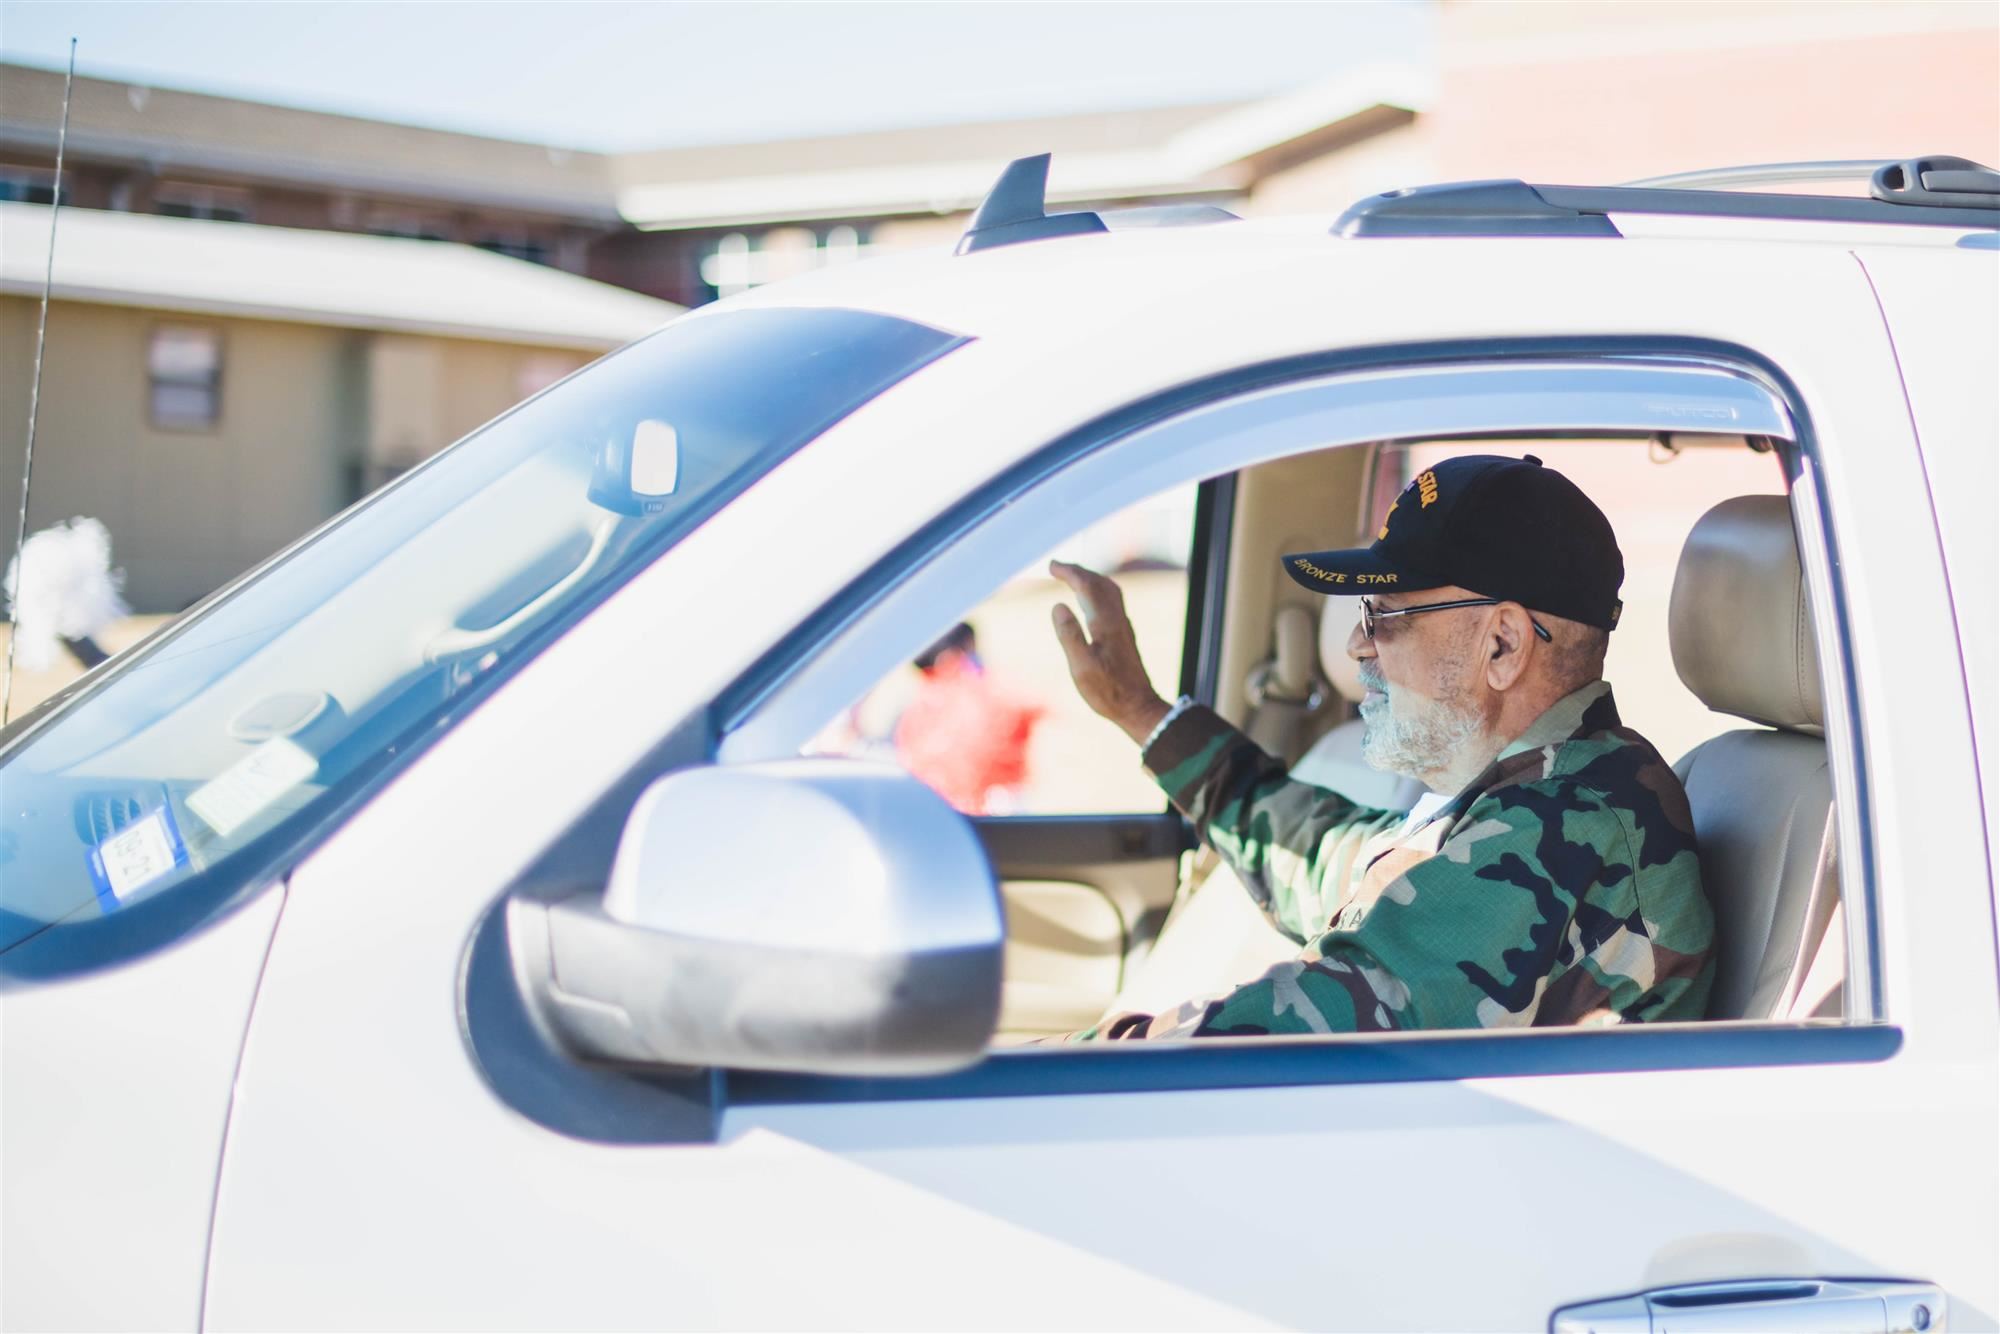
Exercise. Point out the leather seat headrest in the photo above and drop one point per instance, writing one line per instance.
(1739, 621)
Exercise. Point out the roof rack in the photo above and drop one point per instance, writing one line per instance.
(1016, 210)
(1766, 173)
(1933, 191)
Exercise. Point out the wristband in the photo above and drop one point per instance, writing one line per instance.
(1181, 706)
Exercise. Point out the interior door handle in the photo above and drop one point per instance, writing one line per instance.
(1773, 1306)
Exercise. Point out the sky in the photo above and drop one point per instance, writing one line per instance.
(636, 75)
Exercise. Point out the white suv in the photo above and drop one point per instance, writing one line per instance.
(440, 926)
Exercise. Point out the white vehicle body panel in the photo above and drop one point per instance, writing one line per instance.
(1948, 364)
(115, 1089)
(372, 1178)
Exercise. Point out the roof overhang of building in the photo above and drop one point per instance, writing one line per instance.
(164, 155)
(1219, 157)
(335, 279)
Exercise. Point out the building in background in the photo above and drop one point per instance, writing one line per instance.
(683, 224)
(255, 396)
(1598, 93)
(1578, 93)
(213, 390)
(139, 149)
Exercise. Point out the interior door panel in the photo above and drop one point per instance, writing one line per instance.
(1084, 894)
(1065, 956)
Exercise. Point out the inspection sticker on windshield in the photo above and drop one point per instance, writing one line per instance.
(135, 857)
(237, 795)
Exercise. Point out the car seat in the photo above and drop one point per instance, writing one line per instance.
(1742, 635)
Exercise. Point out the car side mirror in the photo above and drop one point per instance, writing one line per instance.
(818, 915)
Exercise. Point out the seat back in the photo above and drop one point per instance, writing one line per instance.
(1742, 637)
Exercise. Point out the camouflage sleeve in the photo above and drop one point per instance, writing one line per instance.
(1291, 844)
(1534, 892)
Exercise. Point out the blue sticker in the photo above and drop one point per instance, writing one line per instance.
(136, 858)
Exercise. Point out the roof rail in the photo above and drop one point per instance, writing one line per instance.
(1937, 192)
(1766, 173)
(1166, 215)
(1949, 182)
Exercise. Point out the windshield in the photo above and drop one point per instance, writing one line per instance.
(200, 764)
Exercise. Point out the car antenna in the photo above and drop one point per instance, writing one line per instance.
(35, 399)
(1016, 210)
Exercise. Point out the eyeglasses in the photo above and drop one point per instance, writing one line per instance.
(1370, 617)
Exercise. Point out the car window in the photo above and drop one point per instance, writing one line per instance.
(985, 714)
(139, 800)
(1776, 883)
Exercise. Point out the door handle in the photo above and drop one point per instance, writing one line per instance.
(1768, 1306)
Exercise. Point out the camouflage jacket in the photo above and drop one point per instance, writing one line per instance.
(1560, 887)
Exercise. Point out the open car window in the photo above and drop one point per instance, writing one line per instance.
(140, 802)
(986, 715)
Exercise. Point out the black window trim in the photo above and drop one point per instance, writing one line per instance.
(1346, 1058)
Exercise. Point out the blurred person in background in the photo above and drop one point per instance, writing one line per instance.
(961, 733)
(62, 594)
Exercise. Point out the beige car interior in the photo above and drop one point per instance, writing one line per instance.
(1742, 641)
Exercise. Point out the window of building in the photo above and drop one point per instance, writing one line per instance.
(738, 261)
(28, 185)
(202, 201)
(406, 225)
(184, 373)
(516, 246)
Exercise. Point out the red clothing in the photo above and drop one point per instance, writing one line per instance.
(965, 736)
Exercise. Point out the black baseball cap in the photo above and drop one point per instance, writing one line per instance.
(1505, 528)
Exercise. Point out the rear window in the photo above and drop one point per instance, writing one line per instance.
(198, 766)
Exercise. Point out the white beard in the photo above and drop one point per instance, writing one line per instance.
(1435, 741)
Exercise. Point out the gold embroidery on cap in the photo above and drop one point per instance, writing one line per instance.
(1427, 487)
(1384, 534)
(1305, 566)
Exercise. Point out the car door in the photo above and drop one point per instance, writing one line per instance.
(402, 1153)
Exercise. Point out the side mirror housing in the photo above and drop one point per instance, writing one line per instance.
(818, 915)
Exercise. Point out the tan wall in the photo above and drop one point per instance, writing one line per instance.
(479, 381)
(1389, 161)
(188, 510)
(898, 233)
(423, 393)
(1601, 93)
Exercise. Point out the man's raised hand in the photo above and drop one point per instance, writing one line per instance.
(1103, 654)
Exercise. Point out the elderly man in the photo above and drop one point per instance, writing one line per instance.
(1551, 875)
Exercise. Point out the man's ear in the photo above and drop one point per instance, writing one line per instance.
(1508, 635)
